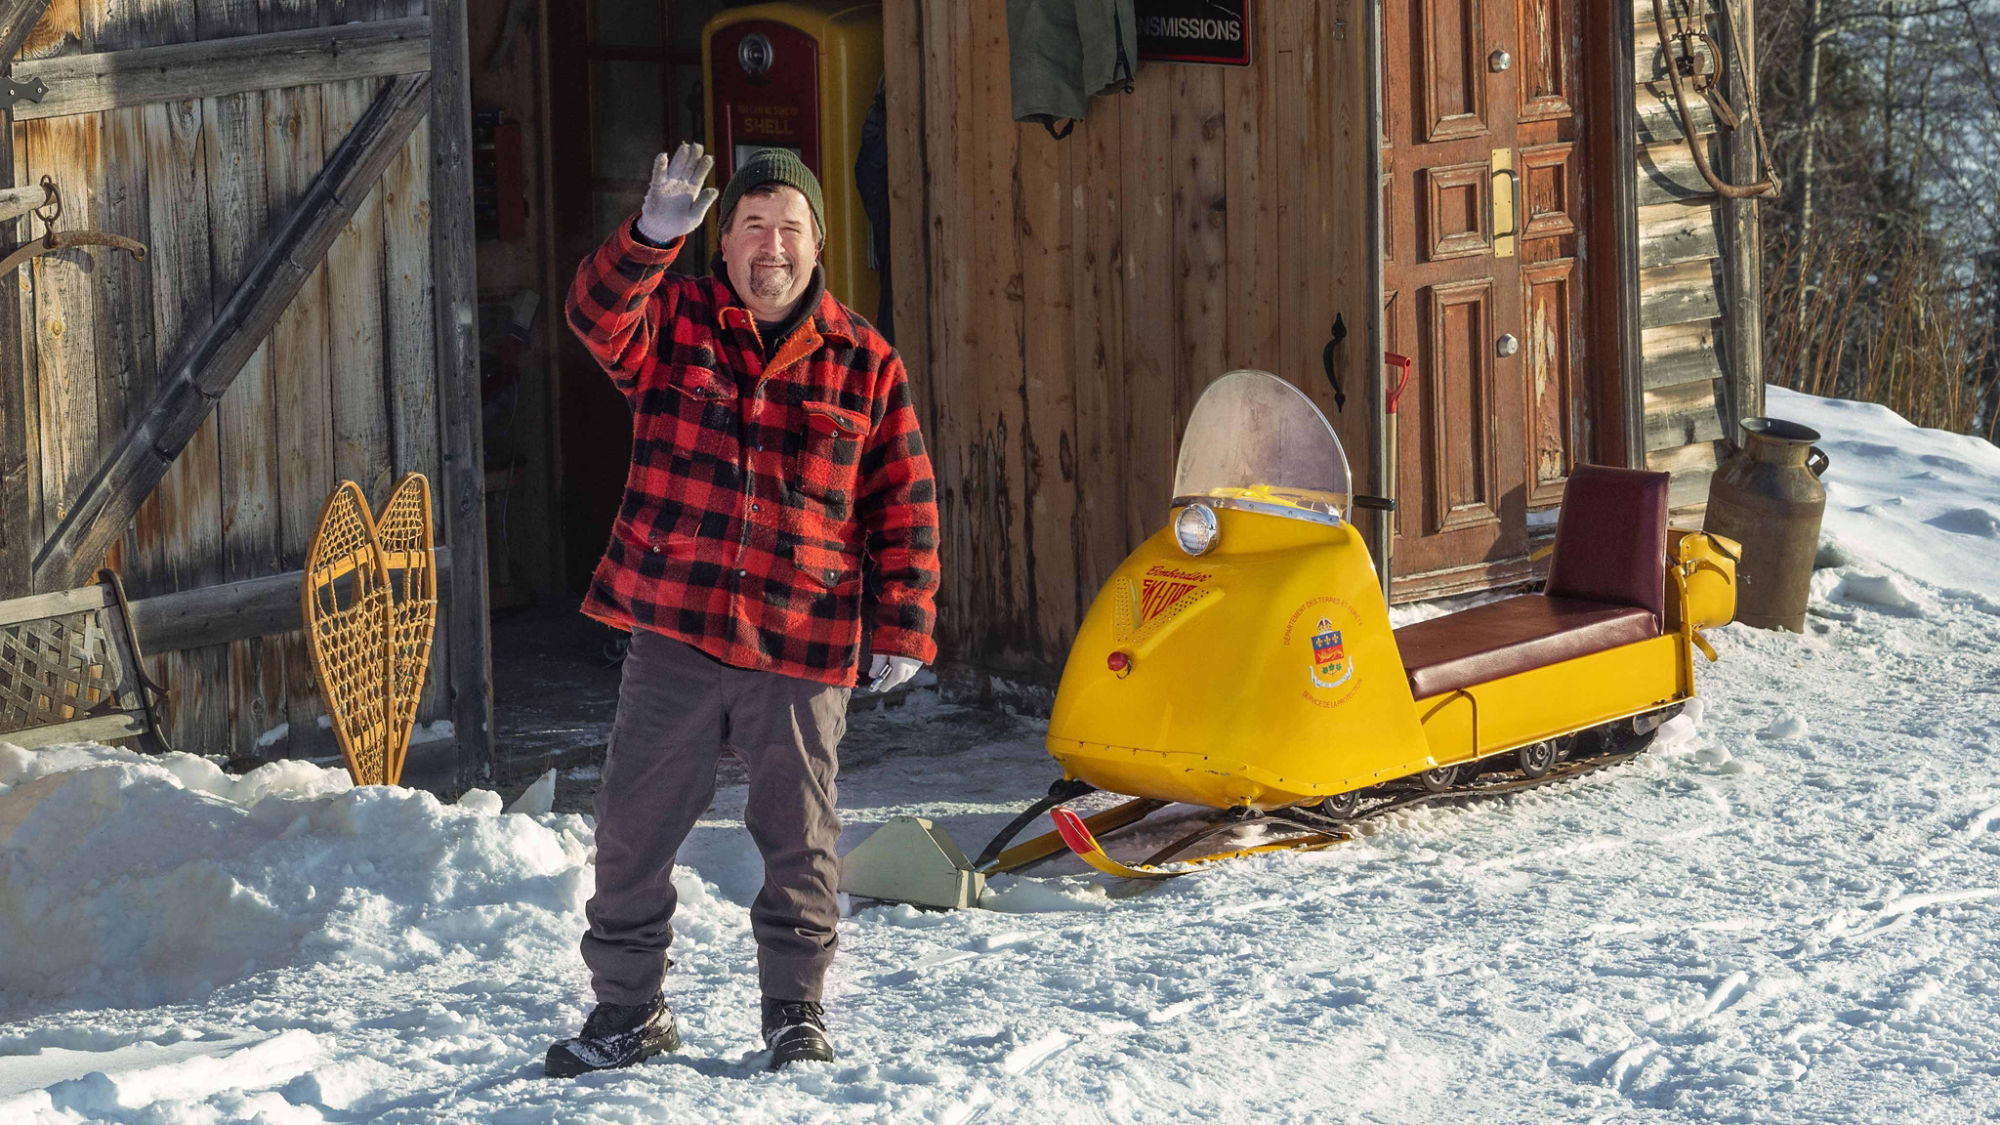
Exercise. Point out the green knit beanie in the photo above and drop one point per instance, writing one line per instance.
(774, 166)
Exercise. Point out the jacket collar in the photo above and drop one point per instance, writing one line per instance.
(829, 317)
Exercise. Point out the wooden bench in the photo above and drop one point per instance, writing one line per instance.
(71, 671)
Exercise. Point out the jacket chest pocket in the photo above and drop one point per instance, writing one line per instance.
(697, 414)
(829, 457)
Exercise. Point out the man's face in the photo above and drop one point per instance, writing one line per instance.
(770, 250)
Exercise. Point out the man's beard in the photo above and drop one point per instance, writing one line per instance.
(770, 278)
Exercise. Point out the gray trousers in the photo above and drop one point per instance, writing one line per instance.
(676, 710)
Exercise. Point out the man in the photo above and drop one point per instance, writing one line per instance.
(778, 478)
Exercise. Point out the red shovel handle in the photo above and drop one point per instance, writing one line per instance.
(1402, 381)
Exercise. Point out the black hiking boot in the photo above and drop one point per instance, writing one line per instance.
(615, 1035)
(795, 1031)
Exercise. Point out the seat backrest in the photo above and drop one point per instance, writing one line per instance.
(1611, 539)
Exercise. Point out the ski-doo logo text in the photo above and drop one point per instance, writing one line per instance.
(1157, 596)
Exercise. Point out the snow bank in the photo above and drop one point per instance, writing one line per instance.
(1924, 503)
(130, 881)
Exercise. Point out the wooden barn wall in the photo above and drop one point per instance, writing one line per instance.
(1061, 304)
(1698, 308)
(345, 386)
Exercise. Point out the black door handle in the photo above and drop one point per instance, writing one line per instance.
(1326, 361)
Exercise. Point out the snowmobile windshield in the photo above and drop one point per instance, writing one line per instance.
(1257, 442)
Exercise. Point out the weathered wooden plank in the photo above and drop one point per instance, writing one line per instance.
(1741, 234)
(51, 441)
(1678, 294)
(1681, 416)
(246, 418)
(123, 25)
(1152, 428)
(213, 359)
(1199, 316)
(1613, 241)
(188, 512)
(1043, 226)
(1320, 215)
(266, 607)
(65, 316)
(946, 39)
(1657, 119)
(18, 201)
(1252, 338)
(1672, 233)
(909, 200)
(410, 349)
(1692, 467)
(20, 500)
(1705, 455)
(361, 449)
(97, 728)
(1294, 61)
(125, 346)
(294, 150)
(408, 320)
(30, 607)
(465, 621)
(128, 352)
(93, 83)
(1667, 173)
(1097, 341)
(1681, 353)
(998, 282)
(1347, 150)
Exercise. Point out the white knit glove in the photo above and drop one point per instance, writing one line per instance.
(885, 672)
(676, 201)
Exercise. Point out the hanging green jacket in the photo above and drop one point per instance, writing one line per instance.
(1066, 52)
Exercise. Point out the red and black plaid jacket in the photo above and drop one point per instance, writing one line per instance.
(764, 499)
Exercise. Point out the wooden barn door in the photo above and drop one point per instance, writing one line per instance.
(299, 175)
(1480, 161)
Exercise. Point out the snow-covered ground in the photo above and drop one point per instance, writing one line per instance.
(1789, 910)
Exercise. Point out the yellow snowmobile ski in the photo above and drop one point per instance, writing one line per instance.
(1078, 836)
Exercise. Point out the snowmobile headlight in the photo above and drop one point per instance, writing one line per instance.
(1196, 530)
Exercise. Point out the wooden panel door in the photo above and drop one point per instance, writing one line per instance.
(1480, 159)
(1554, 301)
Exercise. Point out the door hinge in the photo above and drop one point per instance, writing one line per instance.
(12, 92)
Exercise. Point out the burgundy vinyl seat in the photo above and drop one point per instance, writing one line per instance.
(1606, 587)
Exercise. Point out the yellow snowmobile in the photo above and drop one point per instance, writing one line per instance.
(1242, 657)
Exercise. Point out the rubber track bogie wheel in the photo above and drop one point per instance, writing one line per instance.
(1439, 779)
(1537, 759)
(1341, 804)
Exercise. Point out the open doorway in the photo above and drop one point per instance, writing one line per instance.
(624, 85)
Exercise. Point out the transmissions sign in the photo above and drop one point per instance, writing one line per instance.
(1204, 31)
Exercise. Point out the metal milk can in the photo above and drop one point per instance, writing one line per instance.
(1768, 497)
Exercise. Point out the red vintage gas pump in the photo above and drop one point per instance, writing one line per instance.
(800, 75)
